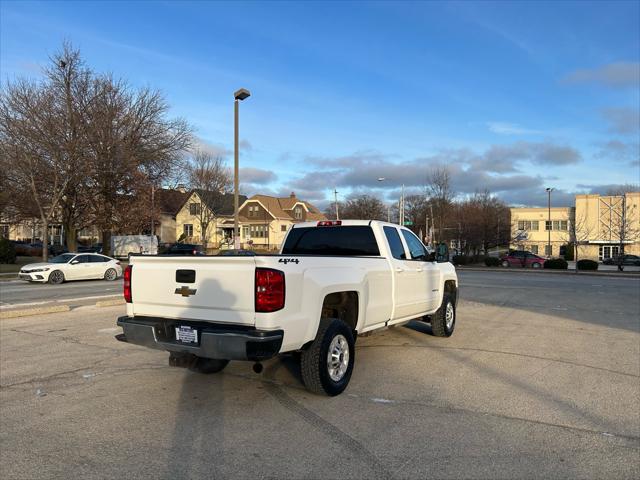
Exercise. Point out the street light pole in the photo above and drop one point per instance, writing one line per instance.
(238, 96)
(549, 224)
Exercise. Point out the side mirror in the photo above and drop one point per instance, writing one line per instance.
(74, 262)
(431, 257)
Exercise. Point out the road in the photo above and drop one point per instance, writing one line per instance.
(532, 384)
(18, 293)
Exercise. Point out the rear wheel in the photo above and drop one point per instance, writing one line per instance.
(535, 265)
(110, 274)
(505, 263)
(56, 277)
(326, 366)
(443, 321)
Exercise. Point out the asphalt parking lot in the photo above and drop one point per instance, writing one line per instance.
(540, 380)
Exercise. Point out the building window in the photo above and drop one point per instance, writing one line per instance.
(283, 228)
(548, 250)
(253, 211)
(194, 208)
(245, 231)
(534, 249)
(528, 225)
(4, 231)
(298, 213)
(258, 231)
(560, 225)
(547, 225)
(187, 228)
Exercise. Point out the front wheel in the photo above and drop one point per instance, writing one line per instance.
(444, 320)
(326, 366)
(505, 264)
(535, 265)
(56, 277)
(110, 275)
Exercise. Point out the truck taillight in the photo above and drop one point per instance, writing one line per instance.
(127, 283)
(269, 290)
(330, 223)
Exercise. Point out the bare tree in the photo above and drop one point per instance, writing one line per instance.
(130, 138)
(625, 226)
(579, 232)
(30, 133)
(441, 195)
(364, 207)
(210, 178)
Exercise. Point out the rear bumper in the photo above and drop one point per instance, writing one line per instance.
(216, 340)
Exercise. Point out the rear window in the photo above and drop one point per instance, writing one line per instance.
(347, 240)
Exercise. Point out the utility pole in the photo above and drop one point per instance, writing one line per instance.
(238, 97)
(152, 207)
(549, 224)
(335, 196)
(433, 221)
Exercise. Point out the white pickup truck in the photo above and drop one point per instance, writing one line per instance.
(331, 281)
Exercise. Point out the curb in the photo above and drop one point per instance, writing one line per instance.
(552, 271)
(110, 303)
(34, 311)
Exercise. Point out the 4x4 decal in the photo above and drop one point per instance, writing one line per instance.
(289, 260)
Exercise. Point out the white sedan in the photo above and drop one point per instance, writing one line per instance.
(72, 266)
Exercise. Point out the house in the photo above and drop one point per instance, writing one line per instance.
(169, 202)
(208, 212)
(265, 219)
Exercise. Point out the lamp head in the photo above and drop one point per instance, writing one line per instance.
(241, 94)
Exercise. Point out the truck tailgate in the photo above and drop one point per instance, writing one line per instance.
(222, 290)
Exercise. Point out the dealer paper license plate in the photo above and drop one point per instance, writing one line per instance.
(186, 334)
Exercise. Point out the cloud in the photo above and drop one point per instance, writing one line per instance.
(619, 151)
(615, 75)
(245, 146)
(213, 149)
(504, 158)
(257, 176)
(622, 120)
(605, 189)
(504, 128)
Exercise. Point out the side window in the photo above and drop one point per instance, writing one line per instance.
(395, 244)
(416, 248)
(82, 258)
(98, 259)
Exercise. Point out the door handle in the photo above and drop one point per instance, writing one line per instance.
(419, 270)
(399, 270)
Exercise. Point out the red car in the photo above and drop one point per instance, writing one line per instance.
(522, 258)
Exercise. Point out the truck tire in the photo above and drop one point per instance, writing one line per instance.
(444, 320)
(208, 365)
(327, 364)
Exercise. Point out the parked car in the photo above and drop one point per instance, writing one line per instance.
(332, 281)
(21, 247)
(236, 253)
(626, 260)
(95, 248)
(72, 266)
(35, 249)
(184, 249)
(522, 258)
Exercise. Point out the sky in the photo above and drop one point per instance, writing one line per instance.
(512, 97)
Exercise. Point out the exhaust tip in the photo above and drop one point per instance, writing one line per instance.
(257, 367)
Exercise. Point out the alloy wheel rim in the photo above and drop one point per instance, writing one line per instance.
(338, 358)
(450, 316)
(111, 274)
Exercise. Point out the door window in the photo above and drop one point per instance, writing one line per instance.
(416, 248)
(82, 259)
(98, 259)
(395, 244)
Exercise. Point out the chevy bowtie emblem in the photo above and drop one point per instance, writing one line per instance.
(185, 291)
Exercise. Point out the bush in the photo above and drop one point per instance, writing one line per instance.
(7, 251)
(461, 260)
(556, 264)
(587, 265)
(492, 261)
